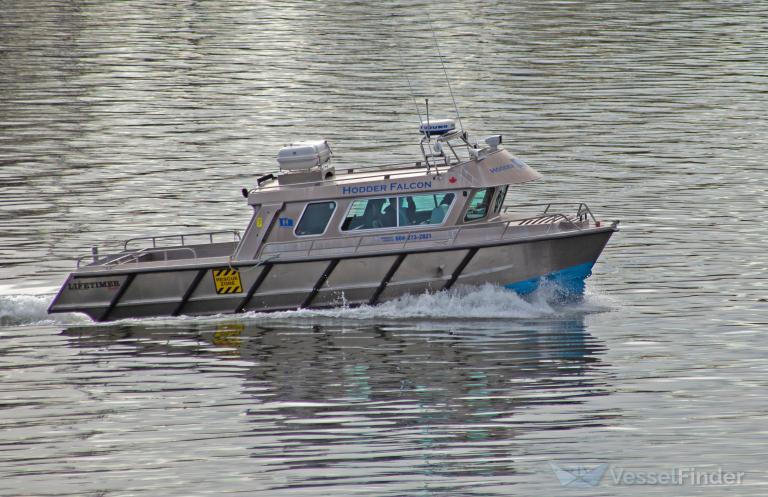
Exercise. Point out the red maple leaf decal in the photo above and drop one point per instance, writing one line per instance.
(452, 179)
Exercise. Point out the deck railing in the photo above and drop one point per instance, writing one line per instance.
(583, 212)
(370, 173)
(496, 231)
(159, 254)
(454, 233)
(182, 237)
(133, 255)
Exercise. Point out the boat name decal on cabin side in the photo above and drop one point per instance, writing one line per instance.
(386, 187)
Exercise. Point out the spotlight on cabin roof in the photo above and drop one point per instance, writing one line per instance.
(439, 127)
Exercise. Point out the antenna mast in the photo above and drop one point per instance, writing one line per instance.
(445, 72)
(407, 78)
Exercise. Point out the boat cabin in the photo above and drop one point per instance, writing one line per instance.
(309, 203)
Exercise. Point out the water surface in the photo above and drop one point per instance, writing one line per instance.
(121, 120)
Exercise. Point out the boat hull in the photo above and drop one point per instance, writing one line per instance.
(216, 288)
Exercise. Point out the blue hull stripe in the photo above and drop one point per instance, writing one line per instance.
(569, 280)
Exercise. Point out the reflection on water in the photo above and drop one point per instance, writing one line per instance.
(121, 119)
(326, 405)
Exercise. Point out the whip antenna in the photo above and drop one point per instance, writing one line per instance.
(407, 78)
(440, 56)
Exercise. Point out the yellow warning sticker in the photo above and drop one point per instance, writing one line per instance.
(227, 280)
(259, 222)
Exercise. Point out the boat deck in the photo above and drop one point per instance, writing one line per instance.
(506, 227)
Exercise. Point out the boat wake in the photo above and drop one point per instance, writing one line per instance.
(484, 302)
(27, 310)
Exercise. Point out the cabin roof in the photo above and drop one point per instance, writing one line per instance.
(497, 168)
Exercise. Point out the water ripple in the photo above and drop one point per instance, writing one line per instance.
(119, 120)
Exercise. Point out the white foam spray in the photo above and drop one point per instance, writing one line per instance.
(484, 302)
(32, 310)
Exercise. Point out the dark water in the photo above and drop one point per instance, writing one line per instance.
(120, 120)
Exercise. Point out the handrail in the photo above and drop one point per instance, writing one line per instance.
(368, 172)
(583, 212)
(367, 175)
(543, 219)
(181, 236)
(135, 256)
(124, 258)
(546, 218)
(116, 261)
(80, 259)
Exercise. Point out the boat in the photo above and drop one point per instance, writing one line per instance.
(320, 237)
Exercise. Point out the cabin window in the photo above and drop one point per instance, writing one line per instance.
(500, 199)
(315, 218)
(428, 208)
(371, 213)
(478, 205)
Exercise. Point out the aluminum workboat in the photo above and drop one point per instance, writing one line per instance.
(322, 237)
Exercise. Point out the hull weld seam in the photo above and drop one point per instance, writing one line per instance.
(387, 278)
(462, 265)
(320, 282)
(113, 303)
(189, 292)
(254, 287)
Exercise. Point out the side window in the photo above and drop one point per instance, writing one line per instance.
(371, 213)
(500, 199)
(424, 209)
(315, 218)
(478, 205)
